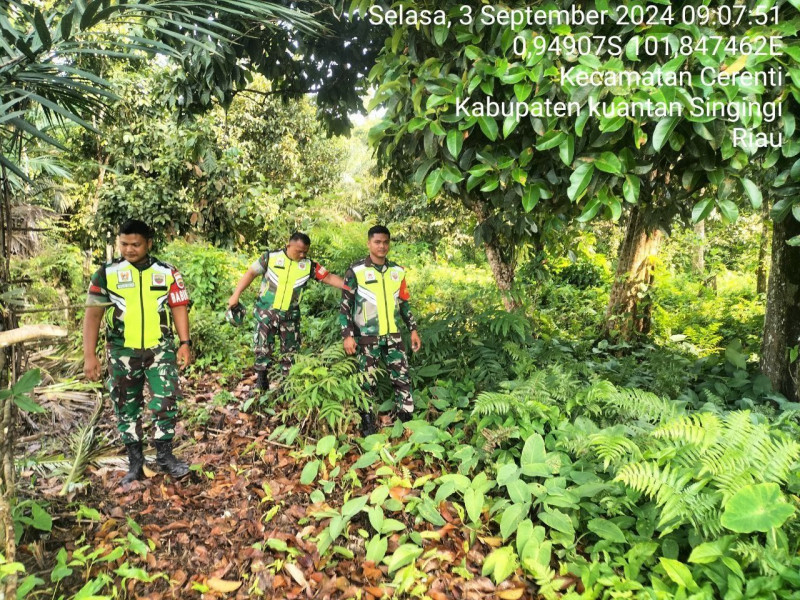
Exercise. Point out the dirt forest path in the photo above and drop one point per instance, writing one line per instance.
(244, 525)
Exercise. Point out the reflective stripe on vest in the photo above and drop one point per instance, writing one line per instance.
(287, 275)
(140, 296)
(382, 291)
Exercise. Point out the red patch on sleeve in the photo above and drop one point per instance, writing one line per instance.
(404, 294)
(177, 294)
(93, 289)
(320, 272)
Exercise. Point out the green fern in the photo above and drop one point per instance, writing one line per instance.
(702, 461)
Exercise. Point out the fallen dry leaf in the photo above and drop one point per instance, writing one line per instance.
(296, 574)
(512, 594)
(223, 585)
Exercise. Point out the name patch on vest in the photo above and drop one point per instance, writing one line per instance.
(130, 284)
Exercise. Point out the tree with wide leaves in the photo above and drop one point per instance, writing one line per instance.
(514, 171)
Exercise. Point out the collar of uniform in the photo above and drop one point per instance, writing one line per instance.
(146, 262)
(381, 268)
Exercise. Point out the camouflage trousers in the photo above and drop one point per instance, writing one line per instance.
(393, 353)
(128, 370)
(269, 327)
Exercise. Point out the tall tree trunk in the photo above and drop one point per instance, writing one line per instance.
(629, 311)
(503, 275)
(782, 321)
(763, 248)
(8, 589)
(699, 255)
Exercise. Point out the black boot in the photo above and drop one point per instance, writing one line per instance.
(262, 382)
(368, 426)
(135, 463)
(405, 416)
(167, 462)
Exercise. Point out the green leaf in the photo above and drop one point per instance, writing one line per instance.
(729, 210)
(630, 189)
(579, 180)
(557, 520)
(551, 139)
(354, 506)
(434, 182)
(530, 197)
(28, 405)
(473, 502)
(366, 460)
(663, 130)
(309, 473)
(137, 545)
(404, 555)
(758, 507)
(702, 209)
(41, 520)
(428, 511)
(753, 193)
(609, 163)
(500, 564)
(706, 553)
(489, 127)
(455, 140)
(679, 573)
(325, 445)
(512, 517)
(376, 548)
(27, 382)
(606, 530)
(277, 545)
(533, 457)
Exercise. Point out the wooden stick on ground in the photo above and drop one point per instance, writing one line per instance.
(27, 333)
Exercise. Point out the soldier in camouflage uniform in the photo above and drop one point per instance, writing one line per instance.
(373, 303)
(284, 274)
(139, 298)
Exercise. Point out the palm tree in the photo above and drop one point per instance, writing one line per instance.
(46, 61)
(50, 75)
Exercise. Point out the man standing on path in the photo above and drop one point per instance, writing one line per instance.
(373, 303)
(285, 273)
(139, 298)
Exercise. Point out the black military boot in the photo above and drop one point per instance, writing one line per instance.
(262, 382)
(167, 462)
(405, 416)
(368, 426)
(135, 463)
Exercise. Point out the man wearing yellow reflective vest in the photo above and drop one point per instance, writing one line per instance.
(139, 298)
(284, 274)
(374, 301)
